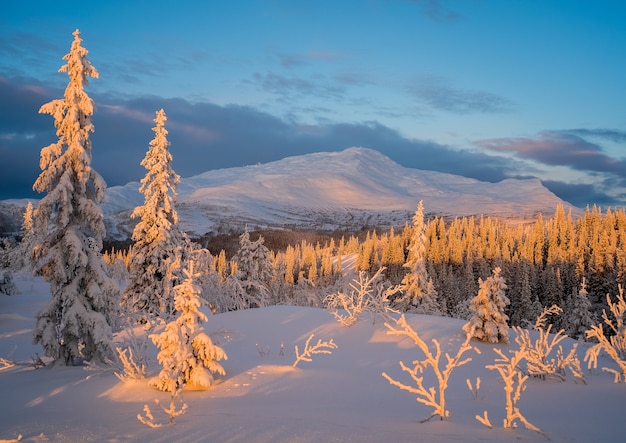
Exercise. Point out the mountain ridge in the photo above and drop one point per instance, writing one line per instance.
(351, 189)
(356, 187)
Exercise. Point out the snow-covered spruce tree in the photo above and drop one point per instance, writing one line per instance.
(578, 315)
(187, 354)
(489, 322)
(420, 295)
(69, 225)
(29, 240)
(155, 266)
(254, 271)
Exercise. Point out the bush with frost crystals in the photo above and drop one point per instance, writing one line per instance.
(614, 345)
(367, 295)
(428, 396)
(543, 358)
(176, 408)
(514, 385)
(133, 358)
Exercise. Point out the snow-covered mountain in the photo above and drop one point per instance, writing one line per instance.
(326, 190)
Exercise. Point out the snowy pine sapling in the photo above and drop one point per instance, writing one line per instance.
(429, 396)
(614, 345)
(250, 283)
(321, 347)
(543, 358)
(420, 295)
(187, 354)
(489, 322)
(367, 295)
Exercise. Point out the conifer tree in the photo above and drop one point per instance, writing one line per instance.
(578, 316)
(187, 354)
(155, 266)
(22, 256)
(420, 295)
(489, 322)
(254, 271)
(69, 227)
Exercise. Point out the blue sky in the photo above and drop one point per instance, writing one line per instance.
(489, 89)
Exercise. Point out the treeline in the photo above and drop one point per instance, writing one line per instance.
(544, 263)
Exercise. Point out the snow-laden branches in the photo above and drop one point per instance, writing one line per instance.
(428, 396)
(615, 345)
(321, 347)
(489, 322)
(368, 294)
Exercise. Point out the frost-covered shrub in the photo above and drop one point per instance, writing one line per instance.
(368, 294)
(514, 384)
(428, 396)
(615, 344)
(544, 356)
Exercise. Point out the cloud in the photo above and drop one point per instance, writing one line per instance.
(206, 136)
(439, 94)
(435, 10)
(290, 61)
(582, 195)
(288, 87)
(607, 134)
(557, 148)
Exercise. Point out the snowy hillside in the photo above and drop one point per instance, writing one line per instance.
(341, 397)
(352, 188)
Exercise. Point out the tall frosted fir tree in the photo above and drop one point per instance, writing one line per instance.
(69, 228)
(155, 266)
(420, 295)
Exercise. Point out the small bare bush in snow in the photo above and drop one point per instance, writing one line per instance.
(544, 356)
(514, 385)
(176, 408)
(429, 396)
(321, 347)
(367, 295)
(133, 358)
(614, 345)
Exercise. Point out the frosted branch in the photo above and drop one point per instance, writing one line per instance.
(514, 385)
(319, 348)
(484, 419)
(428, 396)
(367, 295)
(615, 345)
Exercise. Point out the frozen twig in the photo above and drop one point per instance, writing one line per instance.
(514, 385)
(428, 396)
(615, 345)
(484, 419)
(319, 348)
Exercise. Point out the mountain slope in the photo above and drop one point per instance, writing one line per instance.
(352, 188)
